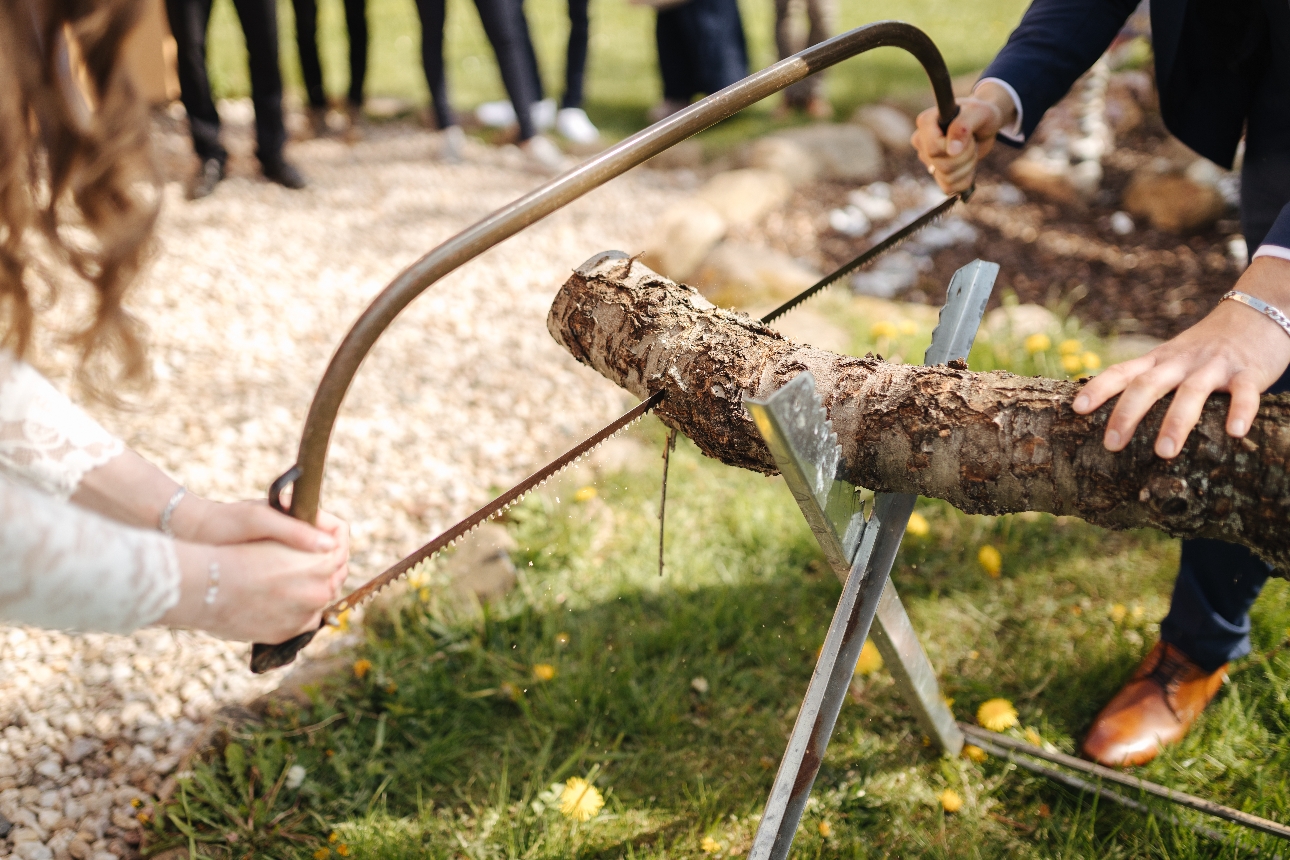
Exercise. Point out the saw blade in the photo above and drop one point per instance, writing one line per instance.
(877, 250)
(514, 494)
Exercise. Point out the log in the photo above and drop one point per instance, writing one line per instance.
(988, 443)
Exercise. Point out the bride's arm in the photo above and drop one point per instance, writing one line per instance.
(66, 568)
(50, 444)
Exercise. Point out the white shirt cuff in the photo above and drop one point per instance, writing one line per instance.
(1012, 132)
(1272, 251)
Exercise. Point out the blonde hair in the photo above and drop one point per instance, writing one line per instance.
(76, 169)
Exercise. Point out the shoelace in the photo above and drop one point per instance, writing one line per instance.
(1168, 674)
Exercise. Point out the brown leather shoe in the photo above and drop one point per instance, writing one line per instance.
(1156, 707)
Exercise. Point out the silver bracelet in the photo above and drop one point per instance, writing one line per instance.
(212, 583)
(163, 522)
(1261, 306)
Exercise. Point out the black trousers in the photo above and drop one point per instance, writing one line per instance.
(188, 21)
(1218, 582)
(701, 48)
(507, 31)
(307, 44)
(575, 57)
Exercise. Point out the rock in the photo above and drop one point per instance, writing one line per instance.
(686, 155)
(1020, 321)
(1172, 202)
(745, 196)
(1045, 175)
(843, 151)
(894, 273)
(79, 849)
(742, 276)
(892, 126)
(482, 565)
(5, 826)
(683, 237)
(783, 156)
(32, 851)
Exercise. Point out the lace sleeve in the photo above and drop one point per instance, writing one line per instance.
(46, 442)
(62, 567)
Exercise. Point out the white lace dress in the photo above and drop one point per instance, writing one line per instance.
(61, 566)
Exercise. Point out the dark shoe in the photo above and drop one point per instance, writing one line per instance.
(318, 121)
(285, 174)
(210, 174)
(1155, 708)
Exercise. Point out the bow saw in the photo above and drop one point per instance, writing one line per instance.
(305, 477)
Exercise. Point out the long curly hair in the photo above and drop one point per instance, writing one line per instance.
(76, 170)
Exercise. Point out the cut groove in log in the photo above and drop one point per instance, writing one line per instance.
(988, 443)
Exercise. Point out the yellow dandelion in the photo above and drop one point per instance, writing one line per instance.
(361, 668)
(972, 752)
(973, 654)
(883, 328)
(1091, 360)
(826, 829)
(991, 561)
(710, 846)
(544, 671)
(424, 594)
(1033, 738)
(585, 494)
(996, 715)
(908, 327)
(949, 701)
(1072, 363)
(950, 800)
(342, 621)
(1117, 612)
(391, 688)
(918, 525)
(1037, 343)
(1137, 611)
(322, 853)
(870, 660)
(143, 817)
(136, 803)
(342, 849)
(580, 800)
(332, 837)
(562, 639)
(1070, 347)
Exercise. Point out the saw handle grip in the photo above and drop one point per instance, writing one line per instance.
(265, 657)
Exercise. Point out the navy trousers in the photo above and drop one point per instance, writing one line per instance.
(701, 48)
(1218, 582)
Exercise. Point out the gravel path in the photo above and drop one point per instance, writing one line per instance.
(250, 292)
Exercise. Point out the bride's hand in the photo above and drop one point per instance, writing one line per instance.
(200, 520)
(262, 591)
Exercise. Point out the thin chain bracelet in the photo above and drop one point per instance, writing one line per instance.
(212, 583)
(1261, 306)
(163, 522)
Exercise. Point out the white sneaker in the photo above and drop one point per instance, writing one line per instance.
(496, 114)
(575, 126)
(453, 144)
(543, 155)
(544, 114)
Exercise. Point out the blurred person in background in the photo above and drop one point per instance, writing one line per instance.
(569, 120)
(92, 536)
(311, 68)
(1222, 70)
(189, 20)
(701, 49)
(507, 32)
(807, 95)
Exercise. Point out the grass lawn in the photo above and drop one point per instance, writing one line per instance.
(622, 76)
(448, 734)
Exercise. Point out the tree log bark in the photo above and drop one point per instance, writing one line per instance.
(988, 443)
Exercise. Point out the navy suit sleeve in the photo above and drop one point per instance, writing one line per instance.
(1279, 235)
(1055, 43)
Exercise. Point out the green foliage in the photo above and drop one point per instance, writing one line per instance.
(443, 739)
